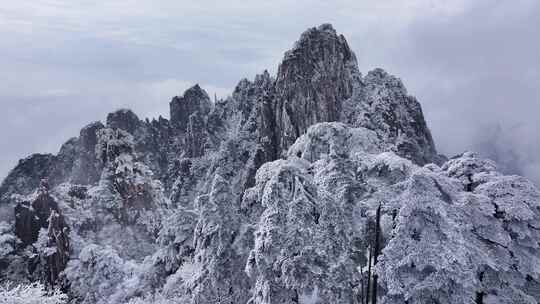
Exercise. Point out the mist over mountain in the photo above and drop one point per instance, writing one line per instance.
(320, 184)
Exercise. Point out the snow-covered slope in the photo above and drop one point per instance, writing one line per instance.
(320, 185)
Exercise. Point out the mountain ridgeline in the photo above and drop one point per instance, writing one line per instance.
(318, 185)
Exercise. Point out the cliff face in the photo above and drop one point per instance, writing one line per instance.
(317, 186)
(313, 81)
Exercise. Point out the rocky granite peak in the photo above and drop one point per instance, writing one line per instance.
(123, 119)
(195, 99)
(26, 176)
(381, 103)
(39, 225)
(313, 80)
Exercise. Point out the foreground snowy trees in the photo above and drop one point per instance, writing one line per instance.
(34, 293)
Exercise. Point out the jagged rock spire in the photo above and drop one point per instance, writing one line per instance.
(313, 80)
(194, 100)
(123, 119)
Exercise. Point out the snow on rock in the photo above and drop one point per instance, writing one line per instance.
(381, 103)
(334, 138)
(26, 176)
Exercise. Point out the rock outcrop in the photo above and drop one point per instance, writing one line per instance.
(41, 215)
(26, 176)
(313, 81)
(194, 101)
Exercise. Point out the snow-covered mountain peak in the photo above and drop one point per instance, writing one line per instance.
(318, 185)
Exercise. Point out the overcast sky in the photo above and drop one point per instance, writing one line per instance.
(473, 65)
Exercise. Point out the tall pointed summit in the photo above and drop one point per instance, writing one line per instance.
(313, 80)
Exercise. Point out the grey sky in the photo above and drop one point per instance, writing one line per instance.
(474, 65)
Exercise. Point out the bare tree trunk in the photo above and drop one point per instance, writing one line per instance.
(376, 250)
(361, 301)
(469, 187)
(479, 298)
(368, 277)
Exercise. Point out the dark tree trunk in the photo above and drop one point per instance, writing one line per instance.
(376, 250)
(361, 299)
(368, 277)
(479, 298)
(469, 187)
